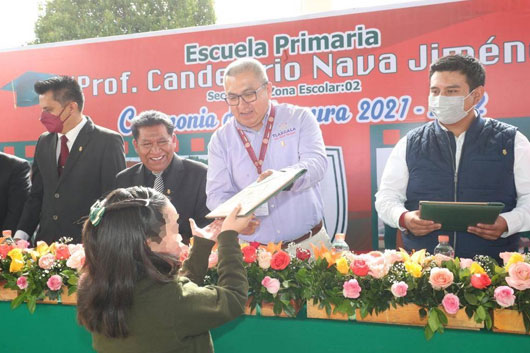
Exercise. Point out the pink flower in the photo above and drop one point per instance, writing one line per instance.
(465, 263)
(399, 289)
(375, 258)
(351, 289)
(378, 270)
(271, 284)
(22, 244)
(46, 261)
(76, 260)
(72, 248)
(439, 258)
(451, 303)
(519, 277)
(392, 256)
(264, 259)
(505, 256)
(22, 282)
(504, 296)
(441, 278)
(213, 259)
(55, 282)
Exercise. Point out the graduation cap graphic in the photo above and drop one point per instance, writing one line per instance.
(22, 88)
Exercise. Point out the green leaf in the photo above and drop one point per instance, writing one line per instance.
(32, 304)
(18, 300)
(442, 318)
(428, 333)
(481, 313)
(488, 322)
(433, 320)
(471, 298)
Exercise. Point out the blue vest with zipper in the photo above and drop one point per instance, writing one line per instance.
(485, 174)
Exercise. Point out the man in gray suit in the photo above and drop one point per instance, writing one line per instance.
(75, 163)
(14, 189)
(183, 181)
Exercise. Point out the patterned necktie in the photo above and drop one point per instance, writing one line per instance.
(63, 155)
(159, 182)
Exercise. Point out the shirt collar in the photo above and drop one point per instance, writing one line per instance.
(72, 134)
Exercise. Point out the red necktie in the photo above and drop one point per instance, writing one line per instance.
(63, 155)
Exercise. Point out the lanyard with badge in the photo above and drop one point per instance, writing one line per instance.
(263, 210)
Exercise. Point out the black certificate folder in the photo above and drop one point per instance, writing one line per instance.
(457, 216)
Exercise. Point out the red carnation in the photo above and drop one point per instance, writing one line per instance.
(302, 254)
(280, 260)
(359, 267)
(480, 280)
(249, 254)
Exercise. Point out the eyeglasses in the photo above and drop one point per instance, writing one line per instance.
(161, 144)
(248, 96)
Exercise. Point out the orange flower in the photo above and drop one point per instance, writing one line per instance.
(319, 251)
(272, 248)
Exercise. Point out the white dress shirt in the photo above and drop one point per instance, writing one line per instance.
(391, 197)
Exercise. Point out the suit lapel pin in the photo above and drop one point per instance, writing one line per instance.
(168, 191)
(80, 148)
(504, 152)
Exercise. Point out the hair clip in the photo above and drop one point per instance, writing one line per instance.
(96, 212)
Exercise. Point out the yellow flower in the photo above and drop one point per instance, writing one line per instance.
(476, 268)
(413, 268)
(42, 248)
(418, 257)
(17, 260)
(516, 257)
(342, 266)
(34, 255)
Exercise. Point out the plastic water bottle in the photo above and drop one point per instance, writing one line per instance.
(339, 244)
(443, 247)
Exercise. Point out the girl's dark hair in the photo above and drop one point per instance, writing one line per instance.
(117, 257)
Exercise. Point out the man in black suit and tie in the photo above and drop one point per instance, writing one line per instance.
(75, 163)
(183, 181)
(14, 189)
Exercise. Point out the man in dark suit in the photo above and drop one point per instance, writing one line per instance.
(14, 189)
(75, 163)
(183, 181)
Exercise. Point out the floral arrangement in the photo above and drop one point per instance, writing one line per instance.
(41, 272)
(343, 282)
(273, 276)
(340, 282)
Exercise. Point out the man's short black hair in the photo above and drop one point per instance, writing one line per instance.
(65, 89)
(151, 118)
(467, 65)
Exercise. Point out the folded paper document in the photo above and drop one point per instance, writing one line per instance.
(257, 193)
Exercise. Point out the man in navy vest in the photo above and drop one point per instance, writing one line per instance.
(460, 156)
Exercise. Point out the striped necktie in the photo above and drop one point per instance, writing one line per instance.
(159, 182)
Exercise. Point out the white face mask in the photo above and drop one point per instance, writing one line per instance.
(448, 110)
